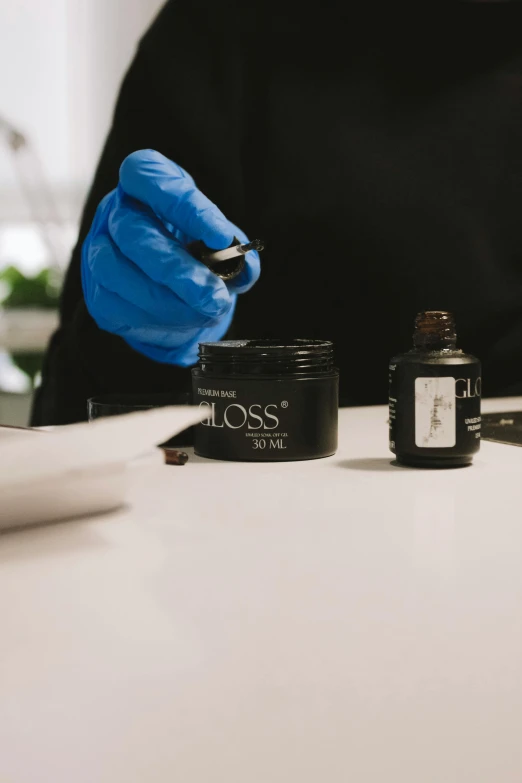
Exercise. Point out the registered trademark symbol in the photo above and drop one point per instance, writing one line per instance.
(284, 404)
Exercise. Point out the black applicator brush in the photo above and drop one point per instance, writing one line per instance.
(227, 263)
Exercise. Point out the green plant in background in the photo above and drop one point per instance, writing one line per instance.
(41, 291)
(30, 363)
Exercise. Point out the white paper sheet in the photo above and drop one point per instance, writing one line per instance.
(78, 469)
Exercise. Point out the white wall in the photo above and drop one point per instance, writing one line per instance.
(102, 37)
(61, 62)
(33, 82)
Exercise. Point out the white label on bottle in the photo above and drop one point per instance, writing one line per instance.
(435, 422)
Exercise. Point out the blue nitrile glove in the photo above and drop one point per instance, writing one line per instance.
(138, 279)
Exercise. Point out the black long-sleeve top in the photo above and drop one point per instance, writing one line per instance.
(379, 159)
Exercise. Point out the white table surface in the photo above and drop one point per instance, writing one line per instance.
(339, 620)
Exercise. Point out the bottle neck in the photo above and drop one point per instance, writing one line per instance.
(435, 331)
(435, 345)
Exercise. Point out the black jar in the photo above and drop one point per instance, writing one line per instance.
(267, 400)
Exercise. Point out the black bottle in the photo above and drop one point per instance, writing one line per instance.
(434, 397)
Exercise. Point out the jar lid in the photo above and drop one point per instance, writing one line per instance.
(270, 347)
(267, 356)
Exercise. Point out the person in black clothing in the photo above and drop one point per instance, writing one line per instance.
(381, 162)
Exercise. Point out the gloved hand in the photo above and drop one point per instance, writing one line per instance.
(138, 279)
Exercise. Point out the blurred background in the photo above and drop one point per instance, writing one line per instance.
(61, 64)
